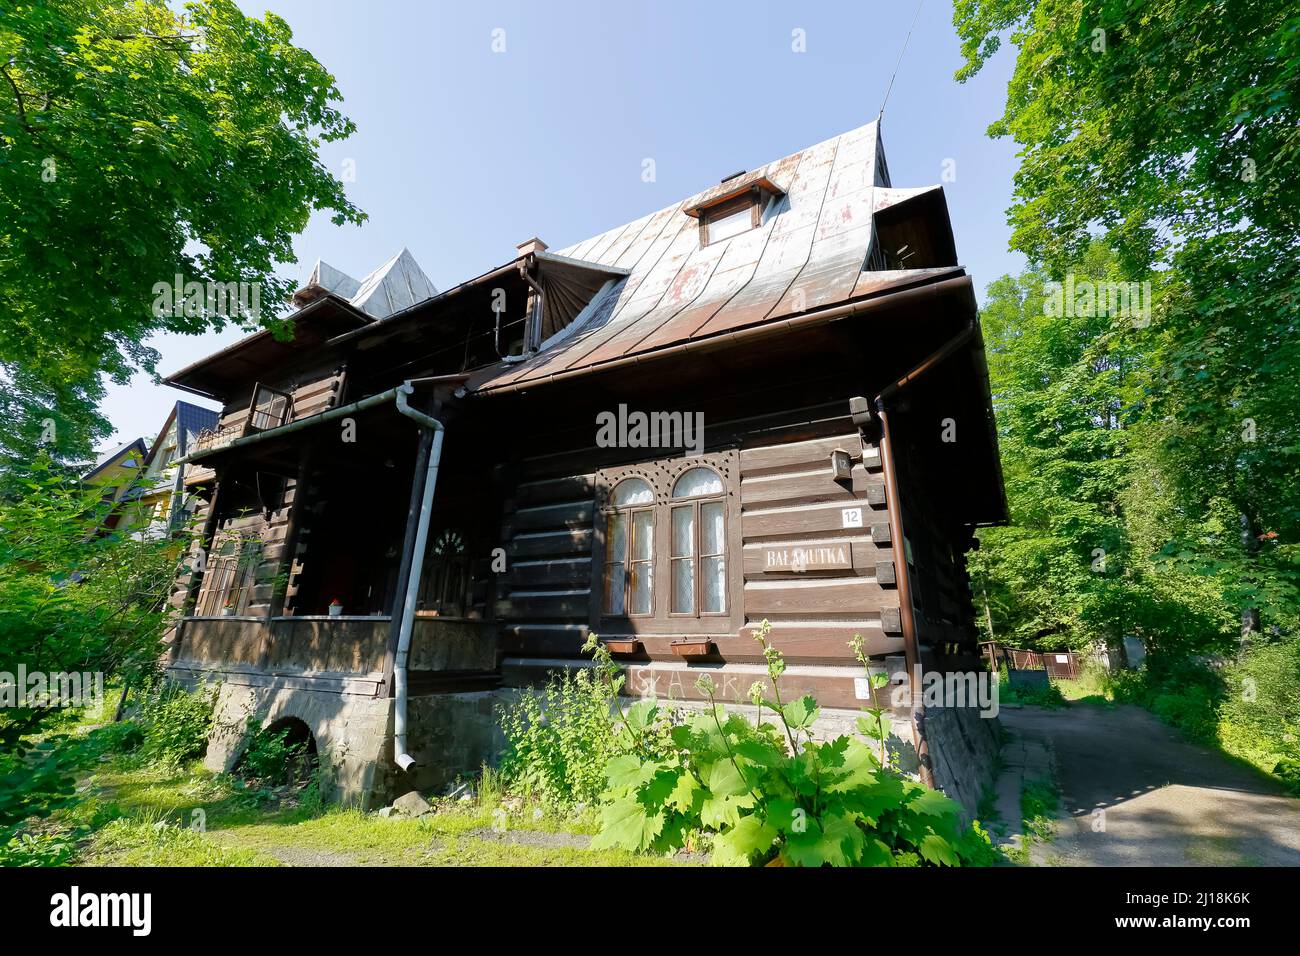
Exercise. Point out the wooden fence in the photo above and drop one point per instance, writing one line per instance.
(1066, 664)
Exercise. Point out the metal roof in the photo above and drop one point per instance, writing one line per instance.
(190, 420)
(325, 278)
(396, 285)
(808, 253)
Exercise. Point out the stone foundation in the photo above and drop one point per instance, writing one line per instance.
(449, 735)
(963, 750)
(353, 733)
(452, 735)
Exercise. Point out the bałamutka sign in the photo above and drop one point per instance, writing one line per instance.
(820, 557)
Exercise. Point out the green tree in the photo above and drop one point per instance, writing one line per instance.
(73, 598)
(1171, 129)
(138, 144)
(1090, 513)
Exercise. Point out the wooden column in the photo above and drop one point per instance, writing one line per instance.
(293, 532)
(205, 545)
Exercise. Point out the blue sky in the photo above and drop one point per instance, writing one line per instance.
(462, 152)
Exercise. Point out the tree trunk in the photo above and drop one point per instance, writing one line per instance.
(1249, 544)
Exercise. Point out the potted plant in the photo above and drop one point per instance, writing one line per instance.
(336, 607)
(228, 609)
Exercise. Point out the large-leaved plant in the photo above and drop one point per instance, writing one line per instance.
(768, 791)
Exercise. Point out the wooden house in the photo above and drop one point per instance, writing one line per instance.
(768, 401)
(159, 499)
(115, 474)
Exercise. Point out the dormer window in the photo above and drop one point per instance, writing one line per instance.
(730, 219)
(733, 206)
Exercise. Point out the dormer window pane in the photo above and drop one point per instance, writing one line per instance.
(730, 224)
(729, 219)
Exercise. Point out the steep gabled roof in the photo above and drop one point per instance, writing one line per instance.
(135, 446)
(396, 285)
(190, 420)
(325, 278)
(811, 251)
(330, 303)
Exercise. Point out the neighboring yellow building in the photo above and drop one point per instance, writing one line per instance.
(117, 474)
(158, 499)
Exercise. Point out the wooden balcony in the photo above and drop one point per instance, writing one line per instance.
(272, 408)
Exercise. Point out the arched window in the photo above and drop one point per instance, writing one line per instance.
(629, 551)
(699, 544)
(445, 590)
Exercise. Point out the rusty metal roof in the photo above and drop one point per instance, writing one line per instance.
(651, 284)
(809, 252)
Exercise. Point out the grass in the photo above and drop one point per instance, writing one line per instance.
(1023, 695)
(1078, 692)
(131, 814)
(1092, 686)
(1039, 802)
(151, 816)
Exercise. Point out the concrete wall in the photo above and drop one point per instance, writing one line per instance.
(963, 749)
(449, 735)
(452, 735)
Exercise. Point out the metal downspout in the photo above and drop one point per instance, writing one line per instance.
(403, 652)
(911, 649)
(534, 334)
(911, 646)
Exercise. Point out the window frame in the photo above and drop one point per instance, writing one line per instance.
(628, 513)
(447, 582)
(724, 210)
(697, 556)
(270, 413)
(230, 574)
(661, 475)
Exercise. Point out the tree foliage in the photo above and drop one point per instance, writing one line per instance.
(768, 792)
(74, 599)
(1168, 133)
(138, 144)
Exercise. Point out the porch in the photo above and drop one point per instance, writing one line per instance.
(312, 519)
(346, 653)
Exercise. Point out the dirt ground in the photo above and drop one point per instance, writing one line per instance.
(1136, 793)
